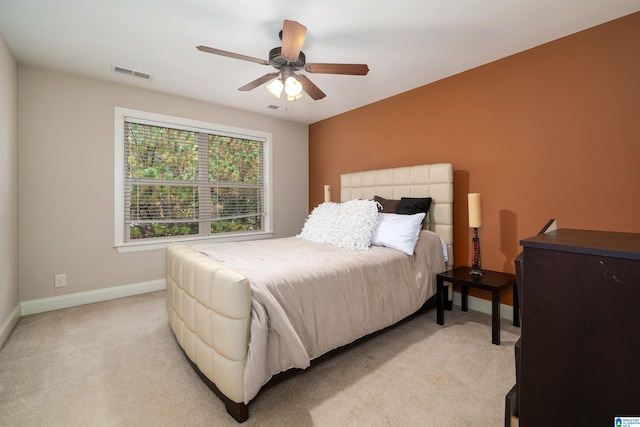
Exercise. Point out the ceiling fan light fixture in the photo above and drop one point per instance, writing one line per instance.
(293, 98)
(275, 87)
(292, 87)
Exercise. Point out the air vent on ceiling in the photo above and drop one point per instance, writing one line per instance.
(277, 108)
(129, 72)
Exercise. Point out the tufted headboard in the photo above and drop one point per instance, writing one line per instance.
(435, 181)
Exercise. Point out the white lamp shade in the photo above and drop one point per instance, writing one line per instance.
(275, 87)
(292, 87)
(327, 193)
(475, 210)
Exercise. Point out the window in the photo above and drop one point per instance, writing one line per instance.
(179, 179)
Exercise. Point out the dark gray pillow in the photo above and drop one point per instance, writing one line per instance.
(388, 205)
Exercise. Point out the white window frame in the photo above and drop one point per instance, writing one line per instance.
(119, 167)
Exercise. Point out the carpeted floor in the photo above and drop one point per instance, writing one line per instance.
(116, 363)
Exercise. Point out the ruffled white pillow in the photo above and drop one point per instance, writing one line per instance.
(319, 223)
(399, 232)
(347, 225)
(355, 224)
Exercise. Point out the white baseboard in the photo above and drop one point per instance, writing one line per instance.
(483, 306)
(8, 325)
(80, 298)
(88, 297)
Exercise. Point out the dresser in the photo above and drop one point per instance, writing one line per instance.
(580, 345)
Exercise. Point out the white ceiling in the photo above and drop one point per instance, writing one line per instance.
(406, 43)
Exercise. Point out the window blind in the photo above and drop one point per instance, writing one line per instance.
(187, 180)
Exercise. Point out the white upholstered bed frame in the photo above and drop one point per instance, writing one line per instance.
(209, 305)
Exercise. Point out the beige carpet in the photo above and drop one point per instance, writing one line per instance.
(117, 363)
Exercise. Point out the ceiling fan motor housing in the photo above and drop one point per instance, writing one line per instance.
(277, 60)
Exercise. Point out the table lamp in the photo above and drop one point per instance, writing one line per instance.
(475, 222)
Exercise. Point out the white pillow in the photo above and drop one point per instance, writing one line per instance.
(399, 232)
(319, 223)
(347, 225)
(355, 224)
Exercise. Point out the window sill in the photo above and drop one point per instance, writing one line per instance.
(162, 244)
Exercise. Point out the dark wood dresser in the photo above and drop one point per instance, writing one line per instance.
(580, 345)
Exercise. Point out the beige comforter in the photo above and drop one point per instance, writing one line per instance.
(309, 298)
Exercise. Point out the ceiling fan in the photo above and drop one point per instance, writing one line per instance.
(287, 60)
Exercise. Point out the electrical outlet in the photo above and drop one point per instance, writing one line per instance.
(59, 280)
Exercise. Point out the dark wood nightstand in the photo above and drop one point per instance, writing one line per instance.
(492, 281)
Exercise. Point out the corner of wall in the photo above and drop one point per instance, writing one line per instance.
(10, 322)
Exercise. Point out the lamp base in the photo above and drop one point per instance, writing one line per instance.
(475, 271)
(475, 265)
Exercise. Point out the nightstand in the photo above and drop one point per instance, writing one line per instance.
(492, 281)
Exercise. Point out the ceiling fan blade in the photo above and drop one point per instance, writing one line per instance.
(351, 69)
(232, 55)
(292, 38)
(310, 88)
(260, 81)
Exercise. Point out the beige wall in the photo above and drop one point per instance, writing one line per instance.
(550, 132)
(9, 296)
(66, 179)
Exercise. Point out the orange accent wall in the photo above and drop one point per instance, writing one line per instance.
(552, 132)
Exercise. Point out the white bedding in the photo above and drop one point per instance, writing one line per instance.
(309, 298)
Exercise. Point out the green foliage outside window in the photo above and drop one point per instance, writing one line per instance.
(168, 194)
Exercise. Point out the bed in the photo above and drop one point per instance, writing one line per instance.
(243, 312)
